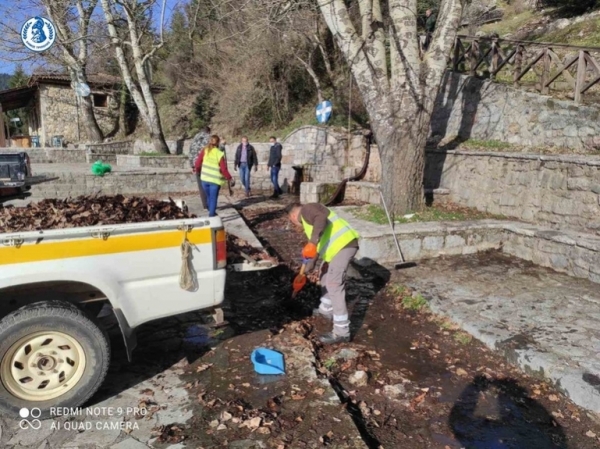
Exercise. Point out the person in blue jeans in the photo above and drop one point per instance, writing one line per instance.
(245, 159)
(212, 166)
(274, 165)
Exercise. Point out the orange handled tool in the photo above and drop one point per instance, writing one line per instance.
(299, 281)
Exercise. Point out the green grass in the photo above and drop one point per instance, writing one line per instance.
(415, 303)
(586, 33)
(396, 289)
(463, 338)
(329, 363)
(510, 25)
(372, 213)
(376, 214)
(152, 153)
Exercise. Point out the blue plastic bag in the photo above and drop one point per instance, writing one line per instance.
(267, 361)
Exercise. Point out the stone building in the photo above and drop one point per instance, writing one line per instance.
(52, 108)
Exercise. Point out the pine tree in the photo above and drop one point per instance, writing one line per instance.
(19, 77)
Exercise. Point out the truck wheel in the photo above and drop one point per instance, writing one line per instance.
(51, 355)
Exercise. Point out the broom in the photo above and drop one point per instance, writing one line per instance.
(403, 264)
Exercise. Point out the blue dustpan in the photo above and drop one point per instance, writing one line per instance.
(267, 361)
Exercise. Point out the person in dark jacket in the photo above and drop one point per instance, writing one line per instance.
(245, 159)
(274, 164)
(429, 27)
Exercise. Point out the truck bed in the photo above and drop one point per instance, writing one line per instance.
(136, 266)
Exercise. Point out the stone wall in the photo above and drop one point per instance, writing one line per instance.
(554, 190)
(468, 107)
(181, 146)
(127, 183)
(50, 155)
(107, 152)
(60, 115)
(131, 161)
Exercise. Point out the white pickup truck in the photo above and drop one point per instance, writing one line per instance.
(53, 352)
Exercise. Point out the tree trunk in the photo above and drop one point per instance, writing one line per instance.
(93, 132)
(92, 129)
(142, 95)
(401, 147)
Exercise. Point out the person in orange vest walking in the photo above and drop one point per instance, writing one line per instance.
(333, 240)
(212, 167)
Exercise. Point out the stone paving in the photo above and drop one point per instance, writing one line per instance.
(546, 322)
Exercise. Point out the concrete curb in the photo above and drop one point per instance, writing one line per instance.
(300, 363)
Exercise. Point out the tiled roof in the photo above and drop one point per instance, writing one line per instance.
(94, 79)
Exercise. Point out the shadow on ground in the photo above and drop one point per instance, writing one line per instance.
(499, 413)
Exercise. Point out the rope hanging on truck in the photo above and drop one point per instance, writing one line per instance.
(186, 278)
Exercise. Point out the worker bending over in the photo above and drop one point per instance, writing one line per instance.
(334, 241)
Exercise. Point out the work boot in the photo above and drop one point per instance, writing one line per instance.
(319, 313)
(330, 338)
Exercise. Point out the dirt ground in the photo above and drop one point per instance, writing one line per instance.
(428, 384)
(408, 379)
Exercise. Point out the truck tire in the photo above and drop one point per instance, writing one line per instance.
(52, 354)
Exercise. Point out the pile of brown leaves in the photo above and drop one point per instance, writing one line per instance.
(236, 246)
(87, 211)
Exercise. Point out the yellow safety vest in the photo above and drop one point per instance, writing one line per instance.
(337, 234)
(211, 170)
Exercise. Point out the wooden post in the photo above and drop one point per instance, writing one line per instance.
(2, 134)
(546, 60)
(518, 64)
(495, 59)
(580, 80)
(474, 57)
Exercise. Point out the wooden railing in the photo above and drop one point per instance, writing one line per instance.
(564, 69)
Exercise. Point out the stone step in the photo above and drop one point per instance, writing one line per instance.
(574, 253)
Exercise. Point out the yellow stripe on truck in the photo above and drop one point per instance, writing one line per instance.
(97, 246)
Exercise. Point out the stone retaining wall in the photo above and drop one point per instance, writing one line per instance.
(569, 252)
(126, 183)
(468, 107)
(126, 160)
(50, 155)
(561, 191)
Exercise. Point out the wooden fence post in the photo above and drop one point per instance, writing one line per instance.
(546, 60)
(495, 59)
(580, 79)
(474, 57)
(518, 64)
(2, 132)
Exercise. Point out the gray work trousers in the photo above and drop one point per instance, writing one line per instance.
(202, 192)
(333, 285)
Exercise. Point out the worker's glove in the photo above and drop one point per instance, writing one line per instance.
(310, 265)
(232, 182)
(309, 251)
